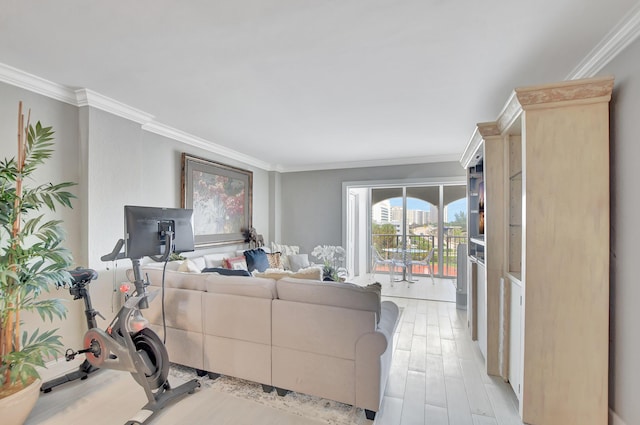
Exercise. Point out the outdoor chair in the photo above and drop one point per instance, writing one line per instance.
(378, 260)
(426, 262)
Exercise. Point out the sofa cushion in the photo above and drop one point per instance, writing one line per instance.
(346, 295)
(176, 279)
(241, 285)
(256, 259)
(226, 272)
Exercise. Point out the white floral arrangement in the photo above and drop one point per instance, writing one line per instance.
(332, 258)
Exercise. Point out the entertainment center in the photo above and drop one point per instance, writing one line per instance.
(539, 249)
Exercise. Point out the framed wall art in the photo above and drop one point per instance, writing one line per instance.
(221, 197)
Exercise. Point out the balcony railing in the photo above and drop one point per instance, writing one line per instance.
(418, 246)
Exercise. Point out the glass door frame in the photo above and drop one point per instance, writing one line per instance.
(346, 223)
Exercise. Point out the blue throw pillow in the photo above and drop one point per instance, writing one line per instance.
(226, 272)
(256, 259)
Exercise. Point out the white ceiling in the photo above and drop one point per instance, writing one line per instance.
(309, 84)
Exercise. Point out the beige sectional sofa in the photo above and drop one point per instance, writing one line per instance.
(332, 340)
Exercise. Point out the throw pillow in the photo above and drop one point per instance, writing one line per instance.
(275, 260)
(188, 266)
(286, 250)
(298, 261)
(235, 263)
(313, 273)
(226, 272)
(256, 259)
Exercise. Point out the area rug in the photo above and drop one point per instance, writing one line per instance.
(306, 406)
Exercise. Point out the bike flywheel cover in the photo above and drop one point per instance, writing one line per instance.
(151, 345)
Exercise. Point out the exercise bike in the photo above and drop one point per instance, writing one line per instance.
(128, 345)
(78, 288)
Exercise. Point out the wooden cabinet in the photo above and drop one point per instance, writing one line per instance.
(486, 148)
(547, 217)
(514, 369)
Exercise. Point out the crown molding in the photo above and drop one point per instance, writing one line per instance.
(616, 40)
(86, 97)
(470, 150)
(566, 92)
(35, 84)
(372, 163)
(189, 139)
(483, 130)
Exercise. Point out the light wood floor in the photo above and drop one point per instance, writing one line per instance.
(437, 373)
(438, 289)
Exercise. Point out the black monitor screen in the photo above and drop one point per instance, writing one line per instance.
(145, 227)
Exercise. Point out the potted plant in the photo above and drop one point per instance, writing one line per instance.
(332, 258)
(32, 259)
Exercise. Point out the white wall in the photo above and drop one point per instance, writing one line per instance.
(624, 378)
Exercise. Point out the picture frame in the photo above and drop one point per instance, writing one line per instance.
(221, 197)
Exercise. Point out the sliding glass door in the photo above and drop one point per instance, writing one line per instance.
(413, 220)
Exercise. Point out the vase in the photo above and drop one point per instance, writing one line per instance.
(16, 408)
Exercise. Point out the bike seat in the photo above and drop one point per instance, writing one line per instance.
(81, 275)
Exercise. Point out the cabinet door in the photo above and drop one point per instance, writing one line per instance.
(482, 309)
(472, 298)
(515, 340)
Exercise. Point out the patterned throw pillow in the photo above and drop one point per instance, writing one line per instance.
(285, 250)
(235, 263)
(275, 260)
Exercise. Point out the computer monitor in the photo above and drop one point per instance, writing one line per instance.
(145, 230)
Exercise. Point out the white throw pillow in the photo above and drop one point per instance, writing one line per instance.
(188, 266)
(298, 261)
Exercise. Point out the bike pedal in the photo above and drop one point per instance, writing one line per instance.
(70, 354)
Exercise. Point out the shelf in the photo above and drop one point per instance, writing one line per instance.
(515, 277)
(477, 241)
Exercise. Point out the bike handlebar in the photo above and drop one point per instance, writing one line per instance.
(115, 254)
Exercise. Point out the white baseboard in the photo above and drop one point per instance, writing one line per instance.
(60, 366)
(615, 419)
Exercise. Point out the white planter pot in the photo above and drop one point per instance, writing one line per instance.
(17, 407)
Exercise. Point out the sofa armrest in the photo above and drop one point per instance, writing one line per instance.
(373, 359)
(389, 312)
